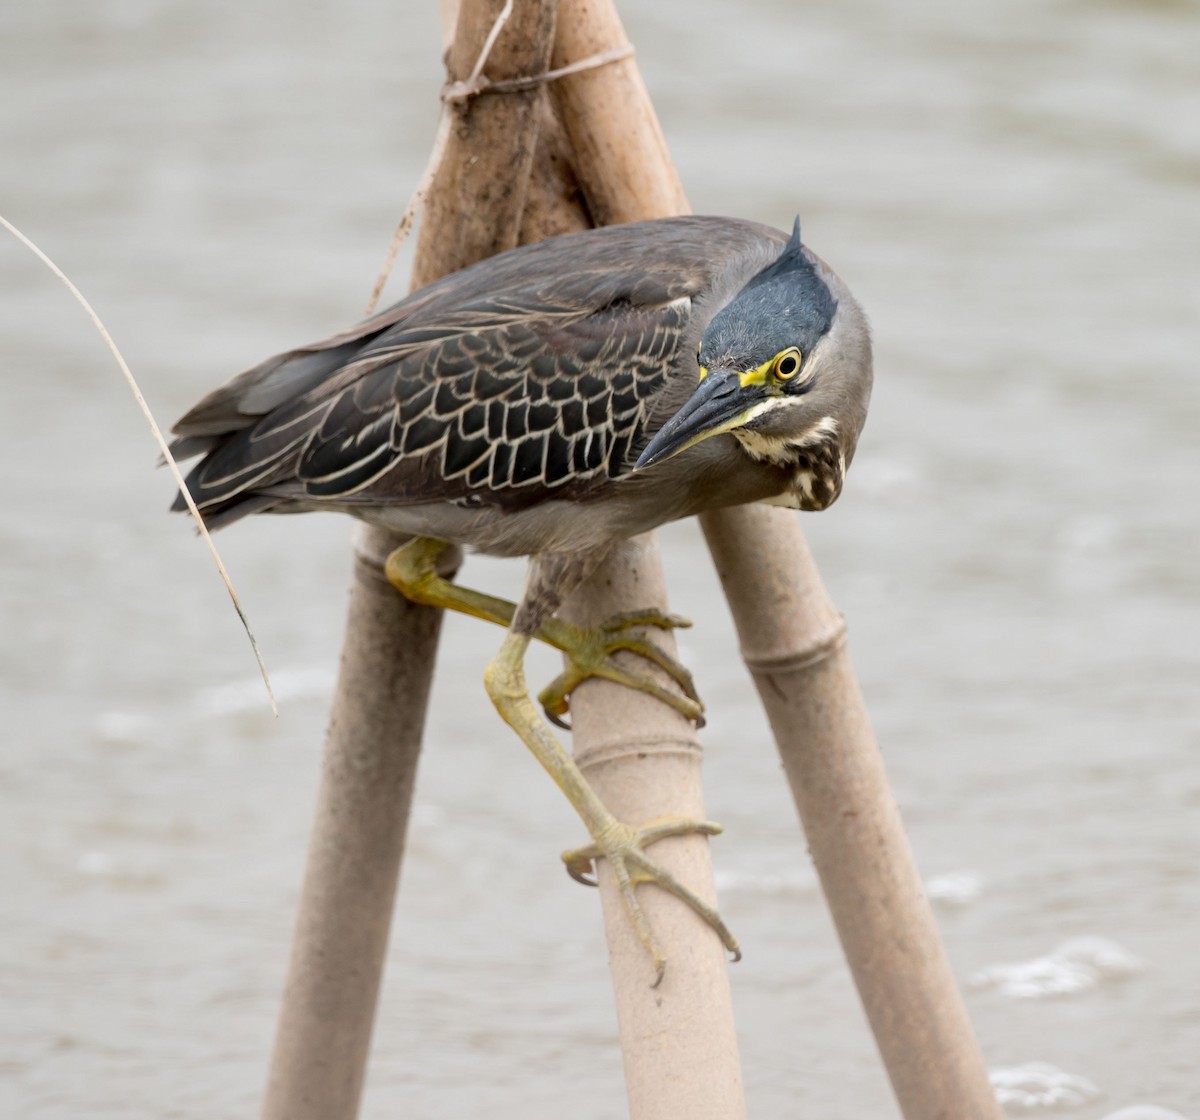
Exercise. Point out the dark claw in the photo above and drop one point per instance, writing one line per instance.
(582, 876)
(558, 721)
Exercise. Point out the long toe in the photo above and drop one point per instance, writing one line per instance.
(625, 849)
(591, 652)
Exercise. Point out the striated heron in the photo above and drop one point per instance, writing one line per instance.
(549, 402)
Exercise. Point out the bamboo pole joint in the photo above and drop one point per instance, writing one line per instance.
(821, 647)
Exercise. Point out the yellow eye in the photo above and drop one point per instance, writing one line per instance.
(787, 364)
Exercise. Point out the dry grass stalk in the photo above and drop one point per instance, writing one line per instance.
(159, 438)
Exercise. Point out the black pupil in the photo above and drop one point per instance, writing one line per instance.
(788, 366)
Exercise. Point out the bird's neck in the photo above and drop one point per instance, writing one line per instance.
(814, 462)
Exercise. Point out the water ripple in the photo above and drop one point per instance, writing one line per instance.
(1075, 966)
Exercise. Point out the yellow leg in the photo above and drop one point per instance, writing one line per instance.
(621, 844)
(412, 569)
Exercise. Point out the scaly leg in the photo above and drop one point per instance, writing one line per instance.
(621, 844)
(412, 569)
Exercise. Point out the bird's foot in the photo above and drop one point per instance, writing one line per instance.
(590, 651)
(624, 848)
(621, 844)
(412, 568)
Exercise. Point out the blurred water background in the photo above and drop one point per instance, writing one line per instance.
(1012, 190)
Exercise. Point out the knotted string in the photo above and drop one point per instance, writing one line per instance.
(459, 93)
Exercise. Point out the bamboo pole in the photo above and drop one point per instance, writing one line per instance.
(474, 208)
(854, 830)
(621, 157)
(793, 641)
(678, 1041)
(332, 986)
(357, 842)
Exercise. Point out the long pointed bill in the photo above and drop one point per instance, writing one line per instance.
(720, 403)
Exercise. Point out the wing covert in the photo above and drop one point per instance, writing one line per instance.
(529, 401)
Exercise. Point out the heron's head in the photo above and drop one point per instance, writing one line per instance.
(785, 367)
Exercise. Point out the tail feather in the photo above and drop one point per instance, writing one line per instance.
(220, 514)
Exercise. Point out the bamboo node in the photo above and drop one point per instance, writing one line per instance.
(809, 656)
(604, 751)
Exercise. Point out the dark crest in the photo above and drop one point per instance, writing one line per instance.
(792, 260)
(786, 304)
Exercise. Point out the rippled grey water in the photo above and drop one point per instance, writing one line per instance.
(1012, 191)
